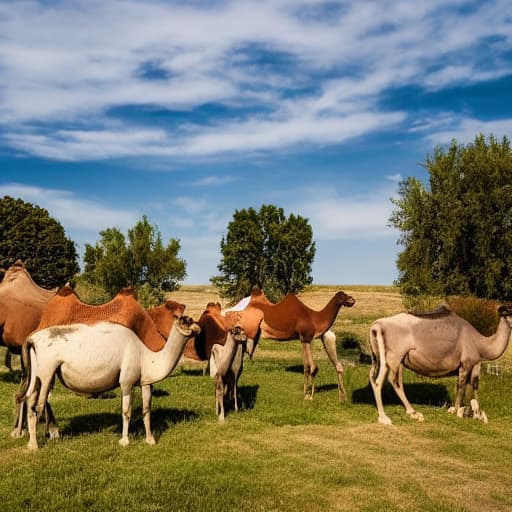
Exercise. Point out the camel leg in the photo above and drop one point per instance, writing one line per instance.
(462, 380)
(147, 390)
(396, 380)
(51, 423)
(17, 431)
(32, 419)
(310, 370)
(329, 342)
(219, 398)
(475, 404)
(377, 382)
(126, 392)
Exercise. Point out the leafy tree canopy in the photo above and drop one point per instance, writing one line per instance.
(27, 232)
(457, 232)
(141, 260)
(267, 249)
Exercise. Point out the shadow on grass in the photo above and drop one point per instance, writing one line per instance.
(417, 393)
(11, 376)
(198, 372)
(296, 368)
(161, 420)
(247, 395)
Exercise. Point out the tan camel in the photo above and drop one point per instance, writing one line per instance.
(226, 365)
(21, 305)
(291, 319)
(435, 345)
(92, 359)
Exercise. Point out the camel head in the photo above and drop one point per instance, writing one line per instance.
(344, 299)
(187, 326)
(505, 310)
(238, 334)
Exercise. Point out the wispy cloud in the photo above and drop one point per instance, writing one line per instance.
(75, 213)
(79, 80)
(213, 181)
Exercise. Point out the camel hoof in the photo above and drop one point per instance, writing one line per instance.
(17, 434)
(451, 410)
(32, 446)
(308, 396)
(53, 433)
(417, 416)
(124, 441)
(150, 440)
(384, 420)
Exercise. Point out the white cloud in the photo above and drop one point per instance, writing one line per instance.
(73, 63)
(464, 130)
(73, 213)
(335, 216)
(213, 181)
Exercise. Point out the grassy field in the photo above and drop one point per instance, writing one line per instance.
(279, 453)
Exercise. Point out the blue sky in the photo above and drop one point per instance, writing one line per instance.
(187, 111)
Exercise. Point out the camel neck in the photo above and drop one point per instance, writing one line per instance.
(160, 364)
(494, 346)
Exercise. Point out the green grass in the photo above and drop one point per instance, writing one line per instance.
(279, 453)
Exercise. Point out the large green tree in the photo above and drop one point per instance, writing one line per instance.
(27, 232)
(140, 260)
(457, 230)
(267, 249)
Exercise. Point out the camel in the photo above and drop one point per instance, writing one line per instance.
(291, 319)
(434, 345)
(151, 327)
(226, 365)
(215, 324)
(90, 359)
(224, 339)
(21, 305)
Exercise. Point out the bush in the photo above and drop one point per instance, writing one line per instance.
(480, 313)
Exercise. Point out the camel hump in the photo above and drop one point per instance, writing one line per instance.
(440, 312)
(66, 308)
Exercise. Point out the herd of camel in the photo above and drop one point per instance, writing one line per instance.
(93, 349)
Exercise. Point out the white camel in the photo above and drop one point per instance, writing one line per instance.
(433, 345)
(91, 359)
(226, 365)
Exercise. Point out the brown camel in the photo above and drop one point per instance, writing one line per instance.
(21, 305)
(435, 345)
(291, 319)
(215, 325)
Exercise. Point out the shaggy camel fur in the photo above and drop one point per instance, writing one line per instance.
(91, 359)
(21, 305)
(434, 345)
(291, 319)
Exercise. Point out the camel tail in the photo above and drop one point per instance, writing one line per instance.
(378, 349)
(27, 384)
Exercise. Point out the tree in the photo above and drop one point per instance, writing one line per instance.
(141, 261)
(27, 232)
(267, 249)
(456, 232)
